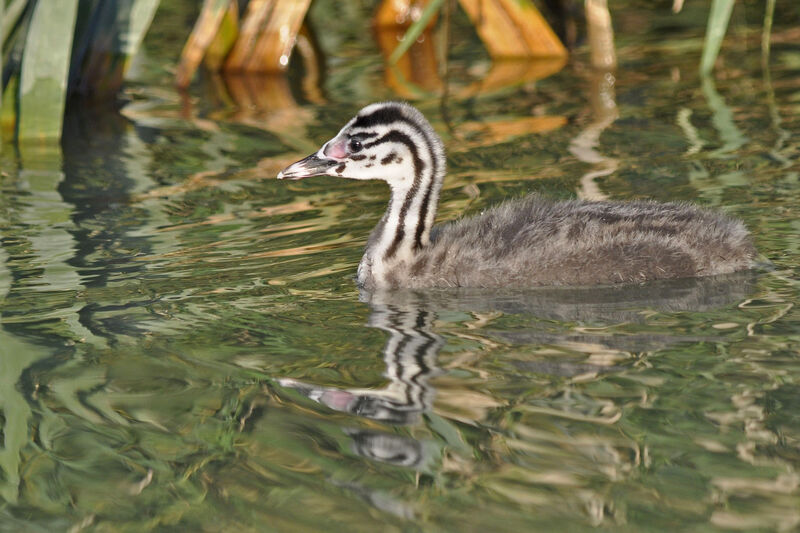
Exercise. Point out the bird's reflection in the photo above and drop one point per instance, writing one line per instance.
(411, 350)
(410, 358)
(387, 448)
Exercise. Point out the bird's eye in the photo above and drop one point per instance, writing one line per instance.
(355, 145)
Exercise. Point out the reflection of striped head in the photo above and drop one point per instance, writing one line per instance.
(391, 141)
(410, 357)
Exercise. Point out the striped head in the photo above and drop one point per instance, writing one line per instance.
(391, 141)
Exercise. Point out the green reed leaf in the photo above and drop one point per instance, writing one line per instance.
(415, 30)
(140, 16)
(45, 65)
(2, 40)
(718, 20)
(9, 18)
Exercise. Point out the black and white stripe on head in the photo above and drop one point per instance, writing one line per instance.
(378, 120)
(408, 133)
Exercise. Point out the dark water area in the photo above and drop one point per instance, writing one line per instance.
(183, 346)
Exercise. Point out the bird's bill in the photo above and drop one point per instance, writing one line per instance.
(313, 165)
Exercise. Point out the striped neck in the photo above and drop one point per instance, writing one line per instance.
(406, 226)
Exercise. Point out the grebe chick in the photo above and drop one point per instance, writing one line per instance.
(520, 243)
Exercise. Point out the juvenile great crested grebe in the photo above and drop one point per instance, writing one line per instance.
(520, 243)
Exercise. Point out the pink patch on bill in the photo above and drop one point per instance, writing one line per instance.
(336, 148)
(337, 399)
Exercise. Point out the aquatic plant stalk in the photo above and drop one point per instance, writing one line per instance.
(140, 16)
(769, 12)
(274, 46)
(601, 35)
(257, 12)
(202, 35)
(513, 29)
(45, 65)
(225, 39)
(10, 17)
(718, 19)
(2, 40)
(415, 30)
(107, 39)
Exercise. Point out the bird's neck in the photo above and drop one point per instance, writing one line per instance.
(404, 229)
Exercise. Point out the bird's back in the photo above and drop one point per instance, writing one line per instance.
(533, 241)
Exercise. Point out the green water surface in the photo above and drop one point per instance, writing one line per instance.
(183, 347)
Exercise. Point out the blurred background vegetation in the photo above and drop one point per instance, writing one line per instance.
(53, 50)
(57, 52)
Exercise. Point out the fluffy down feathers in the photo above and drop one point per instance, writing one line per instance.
(533, 241)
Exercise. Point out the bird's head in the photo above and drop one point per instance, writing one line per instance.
(391, 141)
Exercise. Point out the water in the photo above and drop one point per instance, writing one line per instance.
(183, 346)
